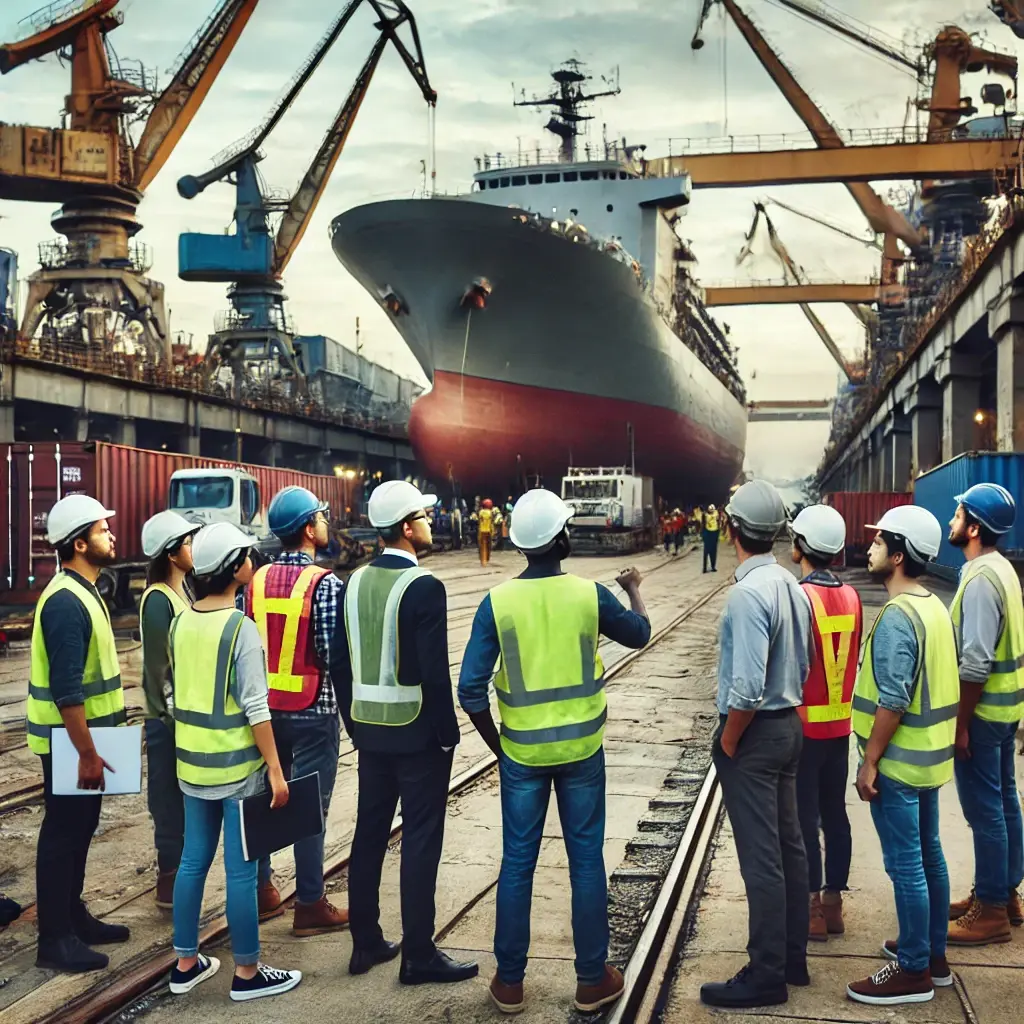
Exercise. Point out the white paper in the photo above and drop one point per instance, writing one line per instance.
(120, 746)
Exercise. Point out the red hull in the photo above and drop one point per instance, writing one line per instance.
(489, 436)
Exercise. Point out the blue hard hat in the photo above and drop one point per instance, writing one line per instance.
(291, 509)
(993, 506)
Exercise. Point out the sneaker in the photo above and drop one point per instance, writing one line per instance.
(960, 907)
(507, 998)
(817, 930)
(269, 900)
(832, 908)
(267, 981)
(317, 918)
(942, 976)
(892, 986)
(202, 970)
(743, 990)
(1015, 909)
(165, 889)
(607, 990)
(984, 924)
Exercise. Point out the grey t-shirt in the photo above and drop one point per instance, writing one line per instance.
(981, 622)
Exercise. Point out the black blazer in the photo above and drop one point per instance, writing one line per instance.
(422, 659)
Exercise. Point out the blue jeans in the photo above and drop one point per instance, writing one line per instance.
(202, 831)
(306, 745)
(579, 790)
(988, 795)
(907, 821)
(711, 549)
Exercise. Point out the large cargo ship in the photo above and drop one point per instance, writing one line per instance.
(553, 311)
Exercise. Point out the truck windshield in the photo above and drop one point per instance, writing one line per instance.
(590, 488)
(202, 492)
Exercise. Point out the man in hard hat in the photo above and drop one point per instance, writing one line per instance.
(75, 684)
(544, 626)
(765, 653)
(395, 691)
(904, 714)
(988, 619)
(819, 535)
(485, 529)
(710, 536)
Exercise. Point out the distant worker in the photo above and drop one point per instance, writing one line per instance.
(485, 527)
(710, 536)
(167, 543)
(296, 606)
(819, 535)
(988, 620)
(667, 530)
(74, 684)
(764, 658)
(550, 624)
(904, 715)
(224, 737)
(679, 530)
(396, 698)
(698, 520)
(456, 526)
(498, 530)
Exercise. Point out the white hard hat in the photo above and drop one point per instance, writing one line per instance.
(216, 544)
(711, 508)
(917, 526)
(822, 529)
(71, 515)
(759, 509)
(163, 531)
(538, 517)
(394, 501)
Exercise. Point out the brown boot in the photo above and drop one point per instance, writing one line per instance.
(317, 918)
(593, 997)
(817, 930)
(507, 998)
(269, 900)
(983, 925)
(961, 907)
(165, 889)
(832, 906)
(1015, 909)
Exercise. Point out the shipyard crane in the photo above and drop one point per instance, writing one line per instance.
(255, 333)
(1011, 13)
(93, 290)
(817, 218)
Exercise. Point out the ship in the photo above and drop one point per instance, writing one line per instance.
(554, 311)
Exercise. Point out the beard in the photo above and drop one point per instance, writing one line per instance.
(98, 558)
(880, 575)
(958, 540)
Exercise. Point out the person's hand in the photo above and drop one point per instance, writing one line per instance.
(278, 789)
(962, 748)
(90, 771)
(867, 776)
(728, 746)
(629, 578)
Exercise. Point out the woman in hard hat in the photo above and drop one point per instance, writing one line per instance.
(167, 542)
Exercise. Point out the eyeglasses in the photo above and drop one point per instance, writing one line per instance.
(416, 519)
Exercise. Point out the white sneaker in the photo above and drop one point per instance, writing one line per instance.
(267, 981)
(204, 968)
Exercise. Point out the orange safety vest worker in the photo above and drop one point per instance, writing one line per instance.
(280, 601)
(828, 693)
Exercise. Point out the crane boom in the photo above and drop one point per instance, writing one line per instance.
(825, 222)
(57, 25)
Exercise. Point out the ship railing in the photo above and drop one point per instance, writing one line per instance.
(539, 157)
(779, 282)
(53, 14)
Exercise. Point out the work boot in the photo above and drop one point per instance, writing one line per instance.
(832, 907)
(269, 900)
(1015, 908)
(606, 991)
(984, 924)
(507, 997)
(892, 986)
(942, 976)
(69, 954)
(438, 968)
(743, 990)
(363, 959)
(94, 932)
(817, 930)
(165, 889)
(317, 918)
(960, 907)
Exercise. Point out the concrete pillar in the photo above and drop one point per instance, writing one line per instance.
(1010, 389)
(81, 426)
(124, 433)
(191, 435)
(901, 459)
(960, 397)
(7, 423)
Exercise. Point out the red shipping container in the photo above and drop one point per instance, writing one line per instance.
(859, 508)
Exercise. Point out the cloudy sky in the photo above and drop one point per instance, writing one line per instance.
(474, 52)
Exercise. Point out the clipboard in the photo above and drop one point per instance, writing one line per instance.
(120, 746)
(265, 831)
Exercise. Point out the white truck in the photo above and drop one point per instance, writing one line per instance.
(613, 509)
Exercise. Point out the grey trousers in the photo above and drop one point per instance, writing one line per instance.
(759, 791)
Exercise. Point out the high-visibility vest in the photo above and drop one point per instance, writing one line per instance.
(101, 677)
(213, 739)
(372, 600)
(550, 682)
(178, 605)
(828, 693)
(920, 753)
(711, 522)
(280, 601)
(486, 515)
(1002, 699)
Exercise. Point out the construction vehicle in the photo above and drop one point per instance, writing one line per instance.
(255, 337)
(613, 510)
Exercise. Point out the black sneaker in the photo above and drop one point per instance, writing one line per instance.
(267, 981)
(202, 970)
(69, 954)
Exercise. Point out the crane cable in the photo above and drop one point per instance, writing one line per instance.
(725, 77)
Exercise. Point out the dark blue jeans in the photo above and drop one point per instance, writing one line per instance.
(165, 800)
(306, 745)
(988, 796)
(711, 548)
(907, 821)
(579, 790)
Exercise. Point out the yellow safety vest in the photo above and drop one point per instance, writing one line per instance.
(1002, 700)
(550, 681)
(486, 520)
(212, 736)
(101, 678)
(178, 605)
(920, 754)
(711, 522)
(372, 600)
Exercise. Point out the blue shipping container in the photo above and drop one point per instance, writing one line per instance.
(937, 489)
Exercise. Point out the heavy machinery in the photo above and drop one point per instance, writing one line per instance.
(1010, 13)
(254, 338)
(613, 509)
(118, 131)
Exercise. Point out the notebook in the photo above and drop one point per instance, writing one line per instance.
(120, 746)
(265, 831)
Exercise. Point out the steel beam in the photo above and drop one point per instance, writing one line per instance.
(782, 294)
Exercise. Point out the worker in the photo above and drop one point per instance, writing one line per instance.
(485, 527)
(988, 621)
(547, 642)
(497, 527)
(904, 714)
(698, 521)
(395, 690)
(710, 534)
(74, 684)
(506, 525)
(456, 526)
(819, 535)
(667, 520)
(679, 530)
(765, 653)
(224, 737)
(167, 543)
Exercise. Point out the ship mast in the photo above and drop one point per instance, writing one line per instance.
(568, 99)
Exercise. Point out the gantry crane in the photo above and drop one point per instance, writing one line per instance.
(92, 290)
(254, 337)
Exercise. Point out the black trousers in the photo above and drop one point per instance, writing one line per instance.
(420, 781)
(821, 797)
(164, 797)
(64, 837)
(759, 791)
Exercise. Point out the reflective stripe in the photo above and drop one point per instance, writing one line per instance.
(920, 758)
(1002, 699)
(34, 729)
(861, 703)
(1010, 665)
(204, 721)
(557, 733)
(918, 721)
(221, 759)
(115, 718)
(517, 696)
(102, 686)
(218, 718)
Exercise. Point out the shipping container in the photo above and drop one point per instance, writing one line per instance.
(859, 508)
(937, 490)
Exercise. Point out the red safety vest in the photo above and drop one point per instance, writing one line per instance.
(280, 601)
(828, 692)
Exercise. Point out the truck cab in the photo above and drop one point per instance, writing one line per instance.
(607, 498)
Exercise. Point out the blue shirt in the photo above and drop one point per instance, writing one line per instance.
(894, 654)
(765, 639)
(619, 624)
